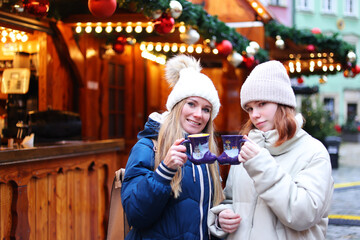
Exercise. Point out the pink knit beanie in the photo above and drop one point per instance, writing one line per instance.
(269, 82)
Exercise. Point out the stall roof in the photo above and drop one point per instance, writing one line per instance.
(330, 50)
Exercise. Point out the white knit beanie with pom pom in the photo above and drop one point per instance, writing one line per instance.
(183, 74)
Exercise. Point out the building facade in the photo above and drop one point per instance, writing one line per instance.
(340, 94)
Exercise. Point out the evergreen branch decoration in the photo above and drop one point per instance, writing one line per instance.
(322, 42)
(195, 16)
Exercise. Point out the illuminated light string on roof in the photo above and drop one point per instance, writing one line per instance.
(317, 62)
(147, 47)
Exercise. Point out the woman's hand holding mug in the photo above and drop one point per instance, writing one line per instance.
(248, 150)
(176, 156)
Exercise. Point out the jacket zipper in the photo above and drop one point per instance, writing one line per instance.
(253, 214)
(201, 178)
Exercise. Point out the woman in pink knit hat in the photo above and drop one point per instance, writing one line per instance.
(283, 188)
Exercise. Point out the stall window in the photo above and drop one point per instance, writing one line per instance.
(116, 100)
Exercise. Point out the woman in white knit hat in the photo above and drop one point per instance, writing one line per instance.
(165, 196)
(283, 188)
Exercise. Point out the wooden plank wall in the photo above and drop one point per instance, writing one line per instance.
(66, 198)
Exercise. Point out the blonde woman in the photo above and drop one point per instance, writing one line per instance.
(165, 196)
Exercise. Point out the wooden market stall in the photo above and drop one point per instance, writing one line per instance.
(95, 84)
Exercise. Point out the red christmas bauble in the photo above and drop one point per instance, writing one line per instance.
(356, 69)
(310, 48)
(39, 8)
(102, 8)
(316, 30)
(300, 80)
(164, 24)
(119, 47)
(249, 61)
(121, 39)
(224, 48)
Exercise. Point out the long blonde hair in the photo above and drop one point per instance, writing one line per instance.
(170, 131)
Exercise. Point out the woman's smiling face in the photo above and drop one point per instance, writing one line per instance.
(195, 114)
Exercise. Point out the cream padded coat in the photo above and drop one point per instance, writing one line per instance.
(282, 193)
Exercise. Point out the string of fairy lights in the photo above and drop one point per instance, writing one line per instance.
(322, 61)
(147, 47)
(12, 35)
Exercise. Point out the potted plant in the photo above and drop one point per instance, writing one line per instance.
(318, 122)
(350, 131)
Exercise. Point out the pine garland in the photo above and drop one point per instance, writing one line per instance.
(210, 26)
(322, 42)
(195, 16)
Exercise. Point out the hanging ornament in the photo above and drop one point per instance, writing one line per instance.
(19, 6)
(119, 45)
(250, 51)
(102, 8)
(164, 24)
(323, 79)
(356, 69)
(175, 9)
(235, 58)
(346, 73)
(191, 36)
(280, 44)
(316, 30)
(300, 80)
(255, 46)
(130, 41)
(39, 8)
(351, 56)
(310, 48)
(156, 14)
(249, 61)
(224, 48)
(212, 42)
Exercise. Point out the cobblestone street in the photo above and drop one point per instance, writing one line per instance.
(345, 209)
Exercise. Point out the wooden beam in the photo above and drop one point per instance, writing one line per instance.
(27, 24)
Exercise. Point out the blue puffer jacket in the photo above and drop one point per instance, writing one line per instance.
(146, 195)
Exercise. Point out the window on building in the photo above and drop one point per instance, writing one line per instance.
(116, 100)
(329, 6)
(305, 5)
(280, 3)
(351, 111)
(329, 105)
(351, 8)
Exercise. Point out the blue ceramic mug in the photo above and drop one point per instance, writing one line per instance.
(231, 146)
(200, 152)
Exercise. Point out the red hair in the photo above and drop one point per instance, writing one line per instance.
(285, 124)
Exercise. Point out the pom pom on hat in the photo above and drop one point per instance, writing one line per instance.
(183, 74)
(269, 82)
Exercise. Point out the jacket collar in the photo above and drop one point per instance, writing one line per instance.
(268, 139)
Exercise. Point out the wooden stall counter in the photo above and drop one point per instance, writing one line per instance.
(58, 191)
